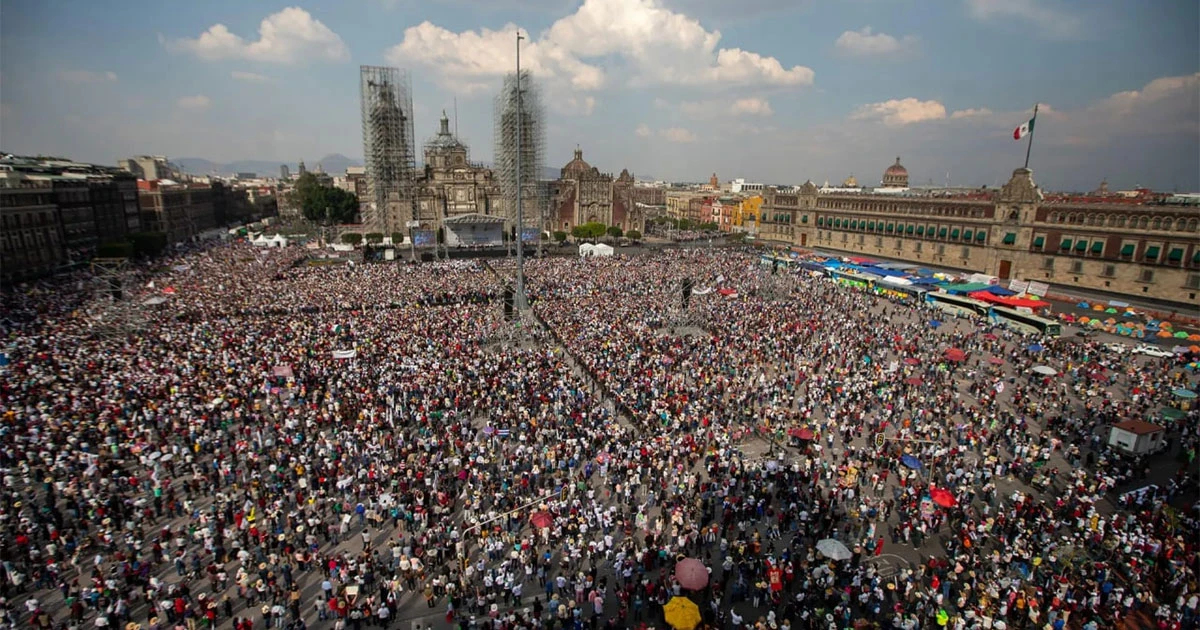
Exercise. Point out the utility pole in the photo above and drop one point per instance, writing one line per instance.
(520, 303)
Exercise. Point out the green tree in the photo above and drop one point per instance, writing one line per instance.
(560, 236)
(633, 235)
(322, 203)
(149, 244)
(374, 238)
(397, 238)
(579, 231)
(615, 231)
(712, 227)
(352, 238)
(684, 224)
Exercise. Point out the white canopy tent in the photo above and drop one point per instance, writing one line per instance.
(261, 241)
(279, 240)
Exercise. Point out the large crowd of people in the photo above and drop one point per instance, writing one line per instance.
(287, 442)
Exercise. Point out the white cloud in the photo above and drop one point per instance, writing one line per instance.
(974, 112)
(643, 131)
(250, 77)
(899, 112)
(86, 77)
(1049, 21)
(583, 106)
(1156, 91)
(865, 43)
(194, 103)
(719, 108)
(641, 38)
(677, 135)
(752, 107)
(289, 36)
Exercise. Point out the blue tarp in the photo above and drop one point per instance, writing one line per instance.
(925, 281)
(880, 271)
(996, 289)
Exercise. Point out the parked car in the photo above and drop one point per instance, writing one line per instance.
(1117, 348)
(1152, 351)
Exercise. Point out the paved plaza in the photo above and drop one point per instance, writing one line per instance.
(285, 445)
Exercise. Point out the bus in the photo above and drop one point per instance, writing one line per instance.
(958, 304)
(1025, 322)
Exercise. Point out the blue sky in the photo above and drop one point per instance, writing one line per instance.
(771, 90)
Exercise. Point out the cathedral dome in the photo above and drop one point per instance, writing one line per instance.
(576, 168)
(896, 176)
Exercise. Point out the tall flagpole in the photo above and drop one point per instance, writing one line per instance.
(1032, 129)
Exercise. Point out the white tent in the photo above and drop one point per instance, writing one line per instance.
(602, 250)
(586, 249)
(261, 241)
(279, 240)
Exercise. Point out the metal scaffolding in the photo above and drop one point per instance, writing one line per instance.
(388, 148)
(112, 312)
(520, 149)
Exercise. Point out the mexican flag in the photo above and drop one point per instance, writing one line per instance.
(1025, 129)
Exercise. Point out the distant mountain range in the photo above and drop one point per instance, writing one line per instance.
(334, 164)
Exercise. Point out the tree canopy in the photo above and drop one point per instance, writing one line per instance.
(323, 203)
(593, 229)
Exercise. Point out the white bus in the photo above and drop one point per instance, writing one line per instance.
(958, 304)
(1025, 322)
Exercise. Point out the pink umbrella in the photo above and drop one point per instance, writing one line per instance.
(996, 361)
(691, 574)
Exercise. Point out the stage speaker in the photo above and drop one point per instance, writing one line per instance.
(508, 303)
(687, 292)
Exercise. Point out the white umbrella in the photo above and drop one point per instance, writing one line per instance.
(833, 549)
(1045, 370)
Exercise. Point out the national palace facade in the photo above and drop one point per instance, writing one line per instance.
(1136, 246)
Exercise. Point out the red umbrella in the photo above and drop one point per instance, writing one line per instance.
(996, 361)
(691, 574)
(541, 520)
(955, 355)
(912, 361)
(989, 337)
(803, 434)
(943, 497)
(913, 381)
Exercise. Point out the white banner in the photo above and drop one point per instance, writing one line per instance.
(345, 354)
(702, 291)
(1039, 289)
(1018, 286)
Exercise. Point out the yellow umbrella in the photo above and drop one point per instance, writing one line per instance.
(682, 613)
